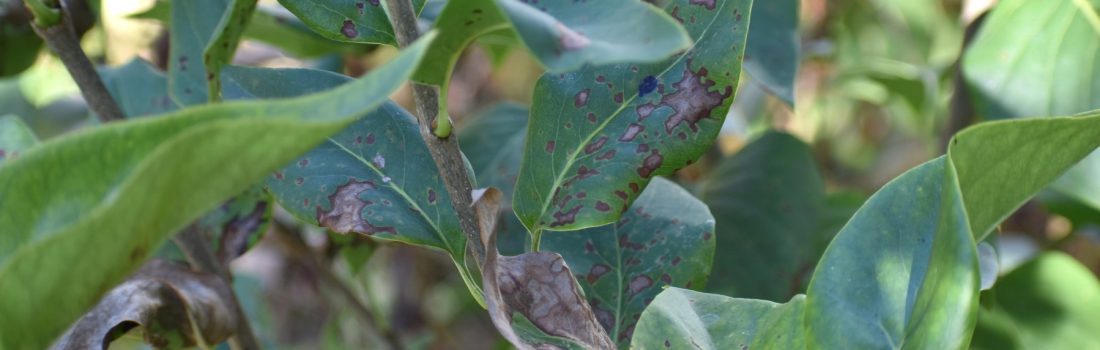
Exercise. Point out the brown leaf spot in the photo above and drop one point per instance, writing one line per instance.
(619, 98)
(650, 164)
(550, 147)
(303, 163)
(595, 145)
(639, 283)
(299, 181)
(675, 261)
(346, 213)
(278, 175)
(642, 148)
(709, 4)
(621, 194)
(565, 218)
(606, 155)
(597, 271)
(634, 187)
(431, 196)
(349, 30)
(631, 132)
(370, 139)
(581, 98)
(591, 117)
(601, 206)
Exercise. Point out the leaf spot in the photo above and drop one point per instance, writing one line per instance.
(346, 212)
(349, 30)
(581, 98)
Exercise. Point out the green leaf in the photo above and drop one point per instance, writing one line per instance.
(193, 26)
(665, 239)
(15, 137)
(1001, 165)
(565, 34)
(289, 34)
(772, 53)
(129, 185)
(139, 89)
(903, 271)
(685, 319)
(459, 24)
(358, 21)
(375, 177)
(18, 41)
(219, 51)
(1047, 303)
(493, 140)
(1033, 58)
(770, 197)
(1028, 56)
(606, 131)
(271, 25)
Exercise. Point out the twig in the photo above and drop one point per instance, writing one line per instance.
(199, 255)
(61, 39)
(292, 244)
(444, 149)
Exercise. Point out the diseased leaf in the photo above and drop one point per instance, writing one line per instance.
(665, 239)
(232, 228)
(1028, 59)
(193, 26)
(129, 185)
(772, 52)
(15, 137)
(359, 21)
(606, 131)
(770, 197)
(375, 177)
(1047, 303)
(685, 319)
(174, 305)
(538, 289)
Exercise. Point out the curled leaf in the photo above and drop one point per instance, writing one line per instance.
(176, 307)
(541, 288)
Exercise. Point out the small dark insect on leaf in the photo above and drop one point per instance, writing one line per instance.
(649, 83)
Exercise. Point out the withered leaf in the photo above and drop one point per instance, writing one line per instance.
(174, 305)
(541, 288)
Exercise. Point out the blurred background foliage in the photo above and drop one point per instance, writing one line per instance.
(876, 91)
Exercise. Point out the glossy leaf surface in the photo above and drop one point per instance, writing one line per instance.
(665, 239)
(139, 182)
(773, 52)
(606, 131)
(1035, 58)
(770, 197)
(686, 319)
(359, 21)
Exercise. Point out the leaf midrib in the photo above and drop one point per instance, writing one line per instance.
(393, 185)
(560, 178)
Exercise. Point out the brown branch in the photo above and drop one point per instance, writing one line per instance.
(61, 38)
(445, 151)
(199, 255)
